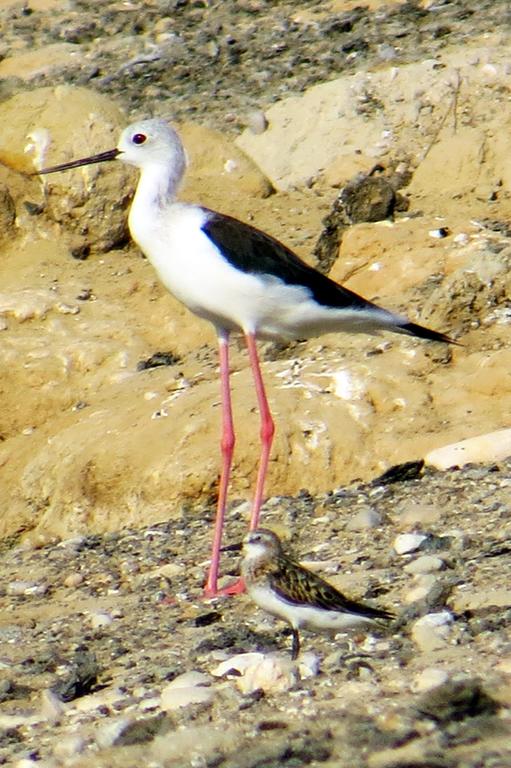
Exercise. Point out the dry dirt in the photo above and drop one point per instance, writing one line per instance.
(108, 469)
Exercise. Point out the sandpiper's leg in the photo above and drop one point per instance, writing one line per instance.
(267, 429)
(295, 648)
(227, 449)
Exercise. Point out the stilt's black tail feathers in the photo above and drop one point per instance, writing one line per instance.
(421, 332)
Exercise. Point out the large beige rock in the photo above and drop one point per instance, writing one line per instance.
(397, 109)
(53, 125)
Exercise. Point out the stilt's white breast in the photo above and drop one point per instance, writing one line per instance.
(195, 271)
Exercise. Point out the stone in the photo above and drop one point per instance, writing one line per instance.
(100, 619)
(474, 599)
(193, 678)
(408, 542)
(412, 514)
(50, 125)
(173, 698)
(272, 674)
(431, 632)
(421, 587)
(364, 519)
(74, 580)
(428, 679)
(424, 564)
(69, 746)
(492, 446)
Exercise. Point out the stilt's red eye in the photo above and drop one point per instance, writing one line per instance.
(139, 138)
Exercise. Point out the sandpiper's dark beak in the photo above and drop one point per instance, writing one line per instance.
(103, 157)
(232, 547)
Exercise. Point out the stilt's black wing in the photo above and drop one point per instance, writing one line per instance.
(251, 250)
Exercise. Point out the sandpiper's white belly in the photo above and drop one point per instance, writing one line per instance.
(305, 615)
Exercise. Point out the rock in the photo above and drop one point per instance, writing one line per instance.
(51, 125)
(474, 599)
(256, 121)
(431, 632)
(424, 564)
(412, 514)
(272, 674)
(492, 446)
(41, 62)
(408, 542)
(193, 678)
(183, 696)
(108, 733)
(364, 519)
(428, 679)
(26, 588)
(308, 665)
(68, 747)
(189, 688)
(100, 619)
(73, 580)
(52, 707)
(422, 585)
(237, 664)
(267, 672)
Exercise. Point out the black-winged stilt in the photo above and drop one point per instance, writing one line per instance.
(238, 278)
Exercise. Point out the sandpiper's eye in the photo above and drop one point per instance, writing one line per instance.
(139, 138)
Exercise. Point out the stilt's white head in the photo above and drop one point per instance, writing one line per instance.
(152, 143)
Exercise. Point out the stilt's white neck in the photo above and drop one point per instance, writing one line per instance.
(156, 191)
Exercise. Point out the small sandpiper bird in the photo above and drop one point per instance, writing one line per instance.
(237, 277)
(289, 591)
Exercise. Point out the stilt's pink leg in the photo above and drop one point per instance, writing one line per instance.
(267, 429)
(227, 448)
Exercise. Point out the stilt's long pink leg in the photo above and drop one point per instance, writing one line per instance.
(267, 429)
(227, 448)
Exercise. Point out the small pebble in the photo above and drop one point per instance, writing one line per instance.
(256, 122)
(364, 519)
(74, 580)
(238, 663)
(188, 679)
(422, 586)
(17, 588)
(273, 674)
(439, 233)
(424, 564)
(431, 632)
(308, 665)
(408, 542)
(412, 514)
(429, 678)
(52, 708)
(67, 309)
(100, 619)
(189, 688)
(69, 746)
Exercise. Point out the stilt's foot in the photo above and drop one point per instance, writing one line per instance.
(236, 588)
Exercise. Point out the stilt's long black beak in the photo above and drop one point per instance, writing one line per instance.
(103, 157)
